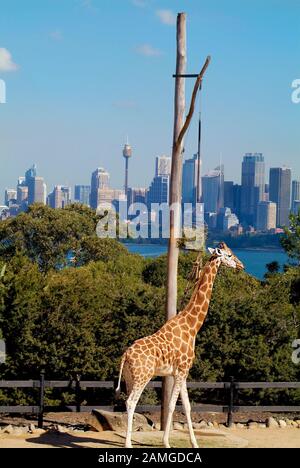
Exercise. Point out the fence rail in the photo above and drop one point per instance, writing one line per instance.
(231, 388)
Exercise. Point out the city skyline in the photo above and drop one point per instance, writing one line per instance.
(260, 203)
(187, 159)
(249, 109)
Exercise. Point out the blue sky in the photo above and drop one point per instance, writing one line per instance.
(85, 73)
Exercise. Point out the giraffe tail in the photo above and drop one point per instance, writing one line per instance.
(118, 389)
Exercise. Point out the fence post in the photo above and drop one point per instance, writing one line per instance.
(78, 393)
(42, 400)
(231, 402)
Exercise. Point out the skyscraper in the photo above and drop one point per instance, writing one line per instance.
(10, 196)
(190, 180)
(253, 185)
(60, 197)
(22, 194)
(226, 219)
(36, 190)
(213, 190)
(280, 193)
(31, 172)
(82, 194)
(100, 181)
(159, 190)
(229, 194)
(295, 196)
(136, 195)
(296, 207)
(163, 166)
(36, 186)
(237, 189)
(266, 216)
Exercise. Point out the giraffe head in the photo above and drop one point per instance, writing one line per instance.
(226, 256)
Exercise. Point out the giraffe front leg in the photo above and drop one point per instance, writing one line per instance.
(187, 408)
(171, 408)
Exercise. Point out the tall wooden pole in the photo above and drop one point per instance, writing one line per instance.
(175, 194)
(199, 181)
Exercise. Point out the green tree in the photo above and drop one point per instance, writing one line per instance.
(47, 236)
(248, 331)
(291, 239)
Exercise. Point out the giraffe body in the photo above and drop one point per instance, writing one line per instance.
(171, 350)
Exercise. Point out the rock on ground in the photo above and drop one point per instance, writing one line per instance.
(118, 421)
(282, 423)
(271, 422)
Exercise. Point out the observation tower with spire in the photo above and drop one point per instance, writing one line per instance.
(127, 153)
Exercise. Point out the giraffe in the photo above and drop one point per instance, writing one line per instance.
(170, 351)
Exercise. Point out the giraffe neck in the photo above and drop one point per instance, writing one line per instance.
(197, 308)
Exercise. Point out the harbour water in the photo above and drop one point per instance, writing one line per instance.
(255, 260)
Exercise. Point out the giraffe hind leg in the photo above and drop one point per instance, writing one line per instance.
(187, 408)
(131, 403)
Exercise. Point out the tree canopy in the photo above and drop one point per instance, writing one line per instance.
(291, 239)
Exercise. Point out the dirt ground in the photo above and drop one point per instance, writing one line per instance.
(237, 438)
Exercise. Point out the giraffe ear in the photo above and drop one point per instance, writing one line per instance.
(211, 251)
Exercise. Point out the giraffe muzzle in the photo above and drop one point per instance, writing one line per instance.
(239, 265)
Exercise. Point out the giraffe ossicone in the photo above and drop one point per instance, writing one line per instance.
(171, 350)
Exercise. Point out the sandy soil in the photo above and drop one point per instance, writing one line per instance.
(237, 438)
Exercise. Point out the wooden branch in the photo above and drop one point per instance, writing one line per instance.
(192, 105)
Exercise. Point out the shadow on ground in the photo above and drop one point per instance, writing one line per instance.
(108, 439)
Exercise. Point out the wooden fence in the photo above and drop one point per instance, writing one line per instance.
(231, 390)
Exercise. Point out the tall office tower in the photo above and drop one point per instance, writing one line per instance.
(36, 186)
(295, 196)
(60, 197)
(213, 190)
(136, 195)
(296, 207)
(226, 219)
(32, 172)
(267, 189)
(100, 181)
(21, 180)
(36, 190)
(253, 186)
(10, 196)
(108, 195)
(237, 189)
(22, 194)
(158, 190)
(163, 165)
(22, 197)
(266, 216)
(190, 180)
(127, 153)
(82, 194)
(229, 194)
(280, 193)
